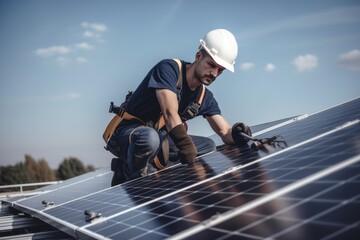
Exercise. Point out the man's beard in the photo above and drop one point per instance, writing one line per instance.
(208, 76)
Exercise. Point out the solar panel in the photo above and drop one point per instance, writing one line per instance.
(301, 198)
(262, 128)
(169, 215)
(81, 178)
(319, 210)
(205, 199)
(64, 191)
(61, 185)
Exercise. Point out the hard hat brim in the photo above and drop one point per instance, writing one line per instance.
(218, 60)
(223, 63)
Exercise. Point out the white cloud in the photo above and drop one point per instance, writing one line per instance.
(85, 46)
(88, 34)
(73, 95)
(246, 66)
(94, 31)
(96, 36)
(61, 97)
(99, 27)
(81, 60)
(269, 67)
(51, 51)
(62, 61)
(350, 60)
(305, 62)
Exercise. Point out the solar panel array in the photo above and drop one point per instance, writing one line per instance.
(308, 190)
(68, 182)
(73, 188)
(294, 196)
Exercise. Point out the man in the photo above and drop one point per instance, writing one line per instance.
(170, 91)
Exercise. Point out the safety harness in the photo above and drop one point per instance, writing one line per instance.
(120, 114)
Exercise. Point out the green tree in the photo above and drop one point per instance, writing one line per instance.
(14, 174)
(31, 167)
(72, 167)
(90, 168)
(29, 171)
(38, 170)
(45, 172)
(32, 170)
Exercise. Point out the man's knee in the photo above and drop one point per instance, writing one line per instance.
(146, 141)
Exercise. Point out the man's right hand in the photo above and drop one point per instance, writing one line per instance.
(187, 150)
(236, 131)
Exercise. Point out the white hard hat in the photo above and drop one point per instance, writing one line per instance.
(221, 45)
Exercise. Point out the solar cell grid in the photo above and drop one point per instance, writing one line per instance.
(131, 194)
(326, 213)
(83, 177)
(176, 199)
(43, 190)
(68, 191)
(235, 189)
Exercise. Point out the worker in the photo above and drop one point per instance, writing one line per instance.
(173, 91)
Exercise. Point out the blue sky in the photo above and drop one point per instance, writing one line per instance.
(62, 62)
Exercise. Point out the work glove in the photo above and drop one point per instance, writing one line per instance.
(236, 131)
(187, 150)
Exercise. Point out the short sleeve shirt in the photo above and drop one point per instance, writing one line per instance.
(164, 75)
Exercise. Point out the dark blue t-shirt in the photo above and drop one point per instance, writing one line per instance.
(164, 75)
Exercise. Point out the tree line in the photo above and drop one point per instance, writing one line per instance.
(32, 170)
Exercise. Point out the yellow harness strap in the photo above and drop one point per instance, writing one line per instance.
(161, 123)
(115, 121)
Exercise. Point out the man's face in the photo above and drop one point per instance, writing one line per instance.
(208, 70)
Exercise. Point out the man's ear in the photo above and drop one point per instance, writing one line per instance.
(198, 56)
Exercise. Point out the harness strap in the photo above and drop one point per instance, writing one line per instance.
(115, 121)
(158, 164)
(202, 95)
(193, 108)
(161, 122)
